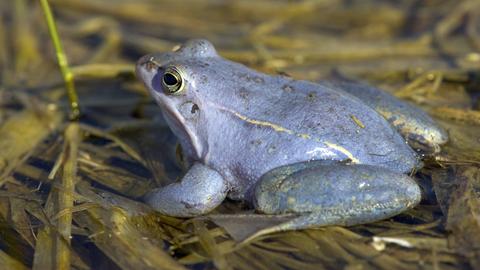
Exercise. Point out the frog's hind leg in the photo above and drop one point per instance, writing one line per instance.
(416, 126)
(334, 194)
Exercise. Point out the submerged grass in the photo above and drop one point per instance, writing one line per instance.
(70, 191)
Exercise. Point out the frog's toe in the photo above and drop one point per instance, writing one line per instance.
(425, 138)
(335, 194)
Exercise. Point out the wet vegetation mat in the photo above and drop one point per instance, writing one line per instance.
(70, 190)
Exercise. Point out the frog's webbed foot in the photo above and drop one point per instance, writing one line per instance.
(415, 125)
(334, 194)
(200, 190)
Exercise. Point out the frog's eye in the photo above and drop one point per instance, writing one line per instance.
(172, 81)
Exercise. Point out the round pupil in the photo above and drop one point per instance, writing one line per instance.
(170, 79)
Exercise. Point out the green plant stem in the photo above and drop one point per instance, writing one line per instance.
(62, 61)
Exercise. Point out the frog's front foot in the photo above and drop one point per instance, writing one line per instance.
(199, 191)
(326, 193)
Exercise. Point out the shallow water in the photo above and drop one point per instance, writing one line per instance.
(70, 192)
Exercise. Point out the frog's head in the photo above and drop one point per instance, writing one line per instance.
(173, 79)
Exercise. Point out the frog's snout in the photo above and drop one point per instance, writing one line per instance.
(140, 66)
(143, 59)
(147, 62)
(146, 68)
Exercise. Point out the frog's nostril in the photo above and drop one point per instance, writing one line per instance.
(148, 62)
(143, 60)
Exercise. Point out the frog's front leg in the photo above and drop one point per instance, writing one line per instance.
(200, 190)
(334, 194)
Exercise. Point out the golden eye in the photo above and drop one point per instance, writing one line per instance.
(172, 81)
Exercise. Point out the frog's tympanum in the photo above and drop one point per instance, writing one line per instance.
(331, 153)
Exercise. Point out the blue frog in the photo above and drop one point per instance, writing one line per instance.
(332, 153)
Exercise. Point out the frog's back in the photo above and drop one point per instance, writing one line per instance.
(272, 121)
(328, 124)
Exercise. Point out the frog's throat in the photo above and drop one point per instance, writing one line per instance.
(190, 142)
(305, 136)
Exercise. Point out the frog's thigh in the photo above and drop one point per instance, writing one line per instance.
(337, 194)
(414, 124)
(200, 190)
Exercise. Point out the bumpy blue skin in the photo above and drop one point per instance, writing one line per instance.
(414, 124)
(284, 145)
